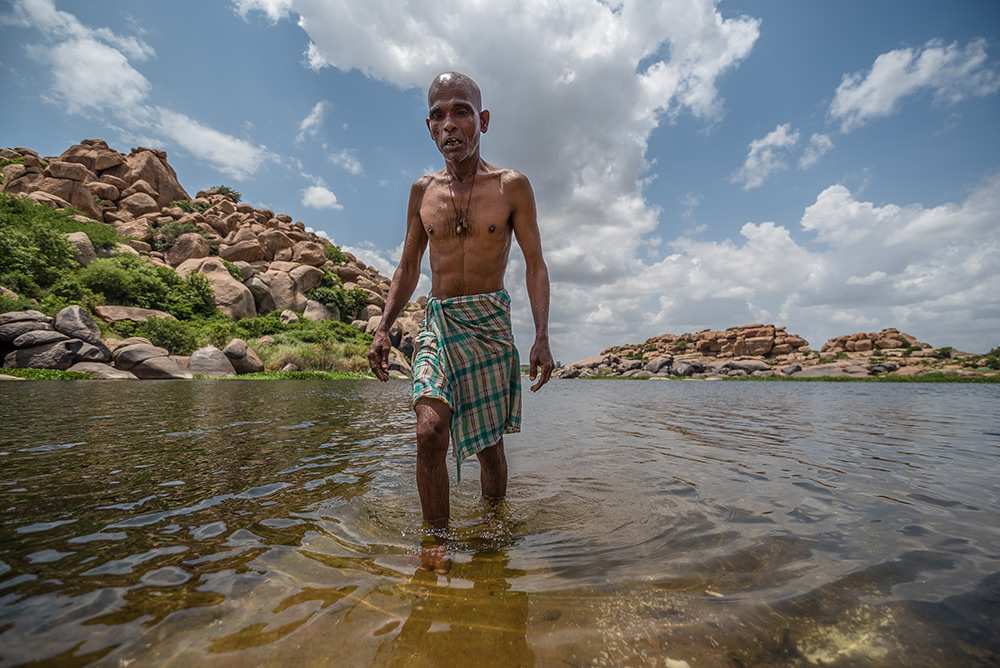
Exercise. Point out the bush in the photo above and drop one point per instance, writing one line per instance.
(910, 350)
(226, 190)
(180, 338)
(167, 234)
(335, 255)
(943, 353)
(331, 293)
(681, 345)
(20, 304)
(187, 206)
(233, 270)
(129, 280)
(33, 252)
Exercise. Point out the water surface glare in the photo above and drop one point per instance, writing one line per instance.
(721, 524)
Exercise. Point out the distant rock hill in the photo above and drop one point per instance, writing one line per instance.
(767, 350)
(139, 194)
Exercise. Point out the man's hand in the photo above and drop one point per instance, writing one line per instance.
(541, 364)
(378, 355)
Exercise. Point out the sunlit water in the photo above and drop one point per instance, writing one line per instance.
(277, 523)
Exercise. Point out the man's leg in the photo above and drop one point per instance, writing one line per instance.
(493, 472)
(433, 423)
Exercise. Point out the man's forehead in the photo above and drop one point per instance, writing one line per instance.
(453, 93)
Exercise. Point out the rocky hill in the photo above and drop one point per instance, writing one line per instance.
(255, 260)
(769, 351)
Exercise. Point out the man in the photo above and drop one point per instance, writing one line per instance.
(466, 374)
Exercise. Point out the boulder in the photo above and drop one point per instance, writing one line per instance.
(274, 241)
(314, 310)
(658, 364)
(281, 291)
(83, 250)
(245, 251)
(306, 277)
(103, 190)
(243, 357)
(138, 204)
(759, 345)
(58, 355)
(23, 316)
(102, 371)
(749, 365)
(94, 154)
(75, 322)
(152, 167)
(93, 352)
(360, 325)
(128, 356)
(12, 330)
(288, 317)
(133, 313)
(72, 171)
(231, 296)
(187, 246)
(140, 186)
(161, 368)
(38, 337)
(683, 369)
(309, 252)
(210, 361)
(370, 311)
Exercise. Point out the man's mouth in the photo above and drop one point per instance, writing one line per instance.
(452, 141)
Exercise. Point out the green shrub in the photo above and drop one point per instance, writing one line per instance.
(129, 280)
(233, 270)
(842, 356)
(335, 255)
(910, 350)
(8, 304)
(33, 252)
(331, 293)
(187, 206)
(166, 235)
(179, 337)
(226, 190)
(943, 353)
(681, 345)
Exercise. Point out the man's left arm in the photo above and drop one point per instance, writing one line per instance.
(536, 275)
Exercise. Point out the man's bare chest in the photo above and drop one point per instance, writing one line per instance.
(483, 214)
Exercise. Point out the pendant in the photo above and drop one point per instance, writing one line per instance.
(460, 227)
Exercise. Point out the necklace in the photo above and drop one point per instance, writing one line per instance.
(460, 220)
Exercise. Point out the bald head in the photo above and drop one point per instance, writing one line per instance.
(447, 80)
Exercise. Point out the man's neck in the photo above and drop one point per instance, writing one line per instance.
(463, 170)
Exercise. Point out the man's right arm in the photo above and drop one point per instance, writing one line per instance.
(404, 281)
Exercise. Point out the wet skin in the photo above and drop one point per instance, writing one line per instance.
(467, 214)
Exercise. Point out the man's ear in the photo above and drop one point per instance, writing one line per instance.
(484, 120)
(428, 122)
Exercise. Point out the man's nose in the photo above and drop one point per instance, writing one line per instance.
(449, 122)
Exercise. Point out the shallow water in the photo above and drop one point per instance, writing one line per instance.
(260, 523)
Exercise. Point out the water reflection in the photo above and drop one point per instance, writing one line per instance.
(237, 522)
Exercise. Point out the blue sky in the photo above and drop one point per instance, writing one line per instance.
(831, 167)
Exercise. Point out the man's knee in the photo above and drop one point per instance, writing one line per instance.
(492, 455)
(433, 423)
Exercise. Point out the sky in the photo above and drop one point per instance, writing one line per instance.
(830, 167)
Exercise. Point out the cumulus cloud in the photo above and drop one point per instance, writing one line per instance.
(819, 145)
(91, 71)
(320, 197)
(348, 159)
(230, 155)
(310, 124)
(766, 156)
(927, 270)
(950, 72)
(581, 87)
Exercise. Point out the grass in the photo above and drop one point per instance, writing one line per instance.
(301, 375)
(46, 374)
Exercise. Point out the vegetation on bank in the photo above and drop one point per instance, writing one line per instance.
(45, 374)
(931, 377)
(36, 262)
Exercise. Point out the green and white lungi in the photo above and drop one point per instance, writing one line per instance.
(465, 357)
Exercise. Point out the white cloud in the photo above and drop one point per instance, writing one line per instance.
(236, 157)
(87, 74)
(348, 159)
(310, 124)
(766, 156)
(275, 9)
(320, 197)
(91, 71)
(577, 61)
(952, 73)
(818, 146)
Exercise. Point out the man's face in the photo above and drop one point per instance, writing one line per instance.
(455, 123)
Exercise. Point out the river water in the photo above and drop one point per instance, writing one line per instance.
(647, 523)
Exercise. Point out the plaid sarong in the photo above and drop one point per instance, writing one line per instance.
(465, 357)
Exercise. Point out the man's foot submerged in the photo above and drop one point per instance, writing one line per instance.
(435, 558)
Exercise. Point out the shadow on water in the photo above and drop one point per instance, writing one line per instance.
(252, 523)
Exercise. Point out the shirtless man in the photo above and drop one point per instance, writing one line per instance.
(465, 365)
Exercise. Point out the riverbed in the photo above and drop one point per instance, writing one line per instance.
(647, 523)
